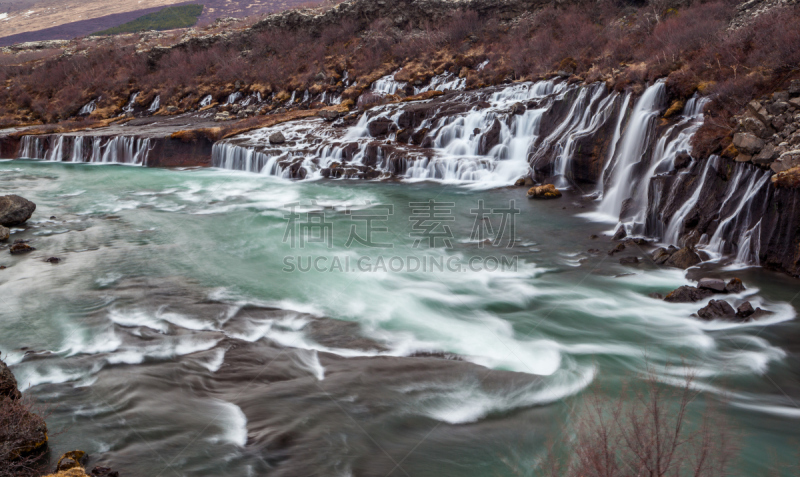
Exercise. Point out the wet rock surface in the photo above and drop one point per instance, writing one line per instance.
(15, 210)
(547, 191)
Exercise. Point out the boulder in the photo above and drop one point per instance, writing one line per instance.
(547, 191)
(620, 234)
(8, 384)
(687, 294)
(629, 260)
(759, 313)
(735, 285)
(4, 233)
(15, 210)
(20, 248)
(277, 138)
(100, 471)
(660, 255)
(787, 179)
(777, 107)
(71, 460)
(755, 126)
(620, 247)
(518, 108)
(786, 161)
(714, 284)
(329, 115)
(717, 309)
(748, 143)
(684, 258)
(745, 310)
(766, 156)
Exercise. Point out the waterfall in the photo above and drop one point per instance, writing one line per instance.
(128, 108)
(95, 149)
(88, 108)
(206, 101)
(632, 149)
(674, 227)
(155, 105)
(233, 97)
(387, 85)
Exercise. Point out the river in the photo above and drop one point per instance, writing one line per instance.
(184, 334)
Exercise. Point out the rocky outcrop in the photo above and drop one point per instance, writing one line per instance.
(547, 191)
(705, 288)
(8, 383)
(15, 210)
(683, 258)
(768, 132)
(72, 464)
(23, 434)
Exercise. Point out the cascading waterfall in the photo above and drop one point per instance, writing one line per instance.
(155, 105)
(233, 97)
(632, 149)
(508, 131)
(88, 108)
(206, 101)
(94, 149)
(128, 108)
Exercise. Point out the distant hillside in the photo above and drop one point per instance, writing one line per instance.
(36, 20)
(166, 19)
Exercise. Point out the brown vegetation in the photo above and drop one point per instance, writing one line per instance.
(649, 431)
(620, 43)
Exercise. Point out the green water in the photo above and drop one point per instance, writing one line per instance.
(572, 316)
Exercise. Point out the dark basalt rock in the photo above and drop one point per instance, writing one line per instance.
(381, 127)
(714, 284)
(620, 247)
(104, 472)
(490, 138)
(277, 138)
(71, 460)
(620, 233)
(629, 260)
(684, 258)
(735, 285)
(661, 254)
(53, 260)
(15, 210)
(687, 294)
(20, 248)
(717, 309)
(745, 310)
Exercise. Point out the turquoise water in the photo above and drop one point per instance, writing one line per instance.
(135, 361)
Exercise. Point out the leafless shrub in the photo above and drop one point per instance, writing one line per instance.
(22, 433)
(647, 431)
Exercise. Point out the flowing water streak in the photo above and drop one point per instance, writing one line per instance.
(635, 142)
(674, 228)
(88, 108)
(128, 108)
(735, 232)
(155, 105)
(94, 149)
